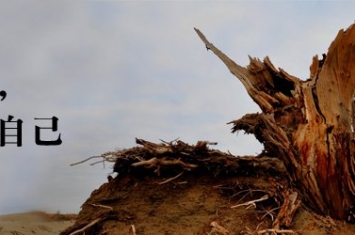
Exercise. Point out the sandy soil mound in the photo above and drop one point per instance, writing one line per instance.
(189, 205)
(184, 189)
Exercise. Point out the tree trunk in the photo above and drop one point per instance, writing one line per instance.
(307, 124)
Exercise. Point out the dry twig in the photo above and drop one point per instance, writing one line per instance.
(86, 227)
(270, 213)
(103, 206)
(77, 163)
(133, 229)
(252, 202)
(248, 231)
(171, 179)
(164, 162)
(276, 231)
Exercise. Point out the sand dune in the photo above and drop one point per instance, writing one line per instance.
(31, 223)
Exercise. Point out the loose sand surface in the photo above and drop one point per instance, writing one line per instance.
(31, 223)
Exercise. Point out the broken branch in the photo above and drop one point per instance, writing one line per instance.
(103, 206)
(86, 227)
(252, 202)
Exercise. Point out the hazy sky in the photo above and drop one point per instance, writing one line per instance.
(111, 71)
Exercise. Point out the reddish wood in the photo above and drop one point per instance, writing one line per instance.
(307, 124)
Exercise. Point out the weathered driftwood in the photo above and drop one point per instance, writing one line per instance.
(309, 125)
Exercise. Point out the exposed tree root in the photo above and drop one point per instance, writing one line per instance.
(284, 218)
(182, 156)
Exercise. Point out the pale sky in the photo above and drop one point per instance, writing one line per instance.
(111, 71)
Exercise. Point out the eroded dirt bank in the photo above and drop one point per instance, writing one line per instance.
(188, 205)
(176, 188)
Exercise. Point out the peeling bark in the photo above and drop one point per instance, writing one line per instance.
(307, 124)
